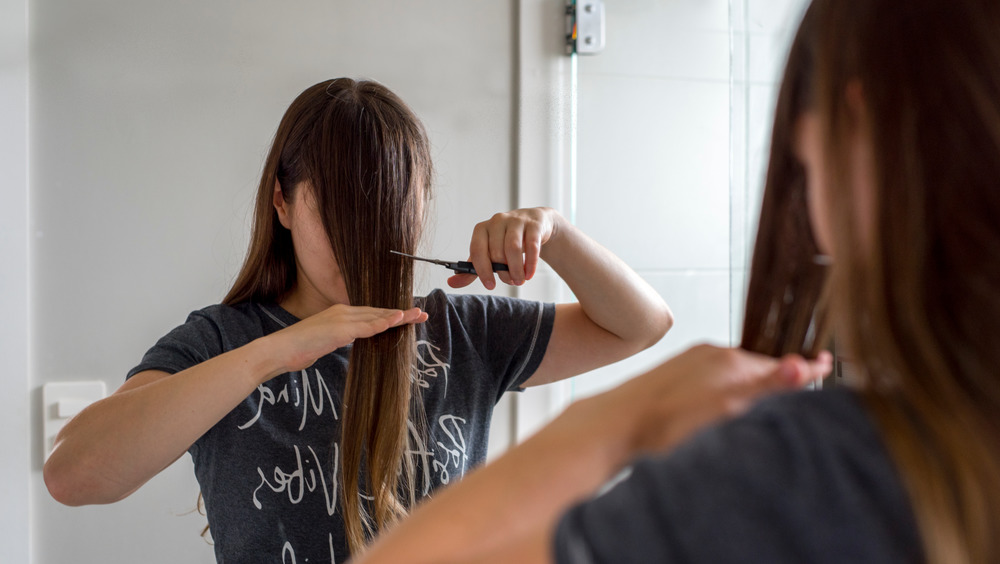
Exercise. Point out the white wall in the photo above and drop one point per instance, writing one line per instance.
(15, 544)
(654, 155)
(149, 121)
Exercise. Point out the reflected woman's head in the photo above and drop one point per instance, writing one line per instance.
(887, 130)
(365, 158)
(351, 164)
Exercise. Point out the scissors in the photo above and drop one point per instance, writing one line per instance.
(461, 267)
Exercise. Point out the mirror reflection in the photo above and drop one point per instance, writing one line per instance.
(150, 128)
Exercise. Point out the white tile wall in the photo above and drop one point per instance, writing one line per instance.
(674, 128)
(770, 16)
(654, 151)
(737, 296)
(763, 30)
(677, 39)
(681, 52)
(653, 156)
(700, 301)
(757, 149)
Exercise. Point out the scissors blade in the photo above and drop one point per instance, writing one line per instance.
(461, 267)
(435, 261)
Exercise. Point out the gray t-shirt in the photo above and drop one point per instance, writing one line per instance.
(804, 477)
(267, 469)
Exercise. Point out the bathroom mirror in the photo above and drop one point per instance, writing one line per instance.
(145, 126)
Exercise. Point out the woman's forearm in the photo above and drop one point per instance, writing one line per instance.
(117, 444)
(611, 294)
(617, 314)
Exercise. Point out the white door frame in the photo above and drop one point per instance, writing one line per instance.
(545, 139)
(15, 431)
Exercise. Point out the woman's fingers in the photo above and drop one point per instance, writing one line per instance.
(784, 375)
(462, 280)
(513, 250)
(372, 324)
(479, 255)
(342, 324)
(532, 249)
(791, 372)
(503, 243)
(338, 326)
(798, 371)
(413, 315)
(514, 238)
(821, 367)
(707, 384)
(392, 317)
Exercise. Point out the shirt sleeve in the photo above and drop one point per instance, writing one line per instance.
(194, 342)
(529, 326)
(813, 487)
(508, 335)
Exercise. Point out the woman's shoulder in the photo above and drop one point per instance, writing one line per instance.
(477, 313)
(244, 318)
(438, 299)
(795, 436)
(802, 477)
(813, 411)
(814, 465)
(205, 333)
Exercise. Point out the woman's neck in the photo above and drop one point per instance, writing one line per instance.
(304, 301)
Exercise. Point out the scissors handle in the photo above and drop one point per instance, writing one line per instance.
(465, 267)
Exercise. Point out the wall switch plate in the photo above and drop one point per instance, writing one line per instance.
(63, 400)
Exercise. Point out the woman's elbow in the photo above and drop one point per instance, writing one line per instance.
(659, 321)
(57, 481)
(647, 329)
(69, 484)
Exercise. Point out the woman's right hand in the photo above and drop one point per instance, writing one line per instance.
(302, 344)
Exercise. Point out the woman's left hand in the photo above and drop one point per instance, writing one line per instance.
(514, 238)
(701, 386)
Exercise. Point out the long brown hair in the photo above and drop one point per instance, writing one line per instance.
(917, 304)
(366, 157)
(783, 312)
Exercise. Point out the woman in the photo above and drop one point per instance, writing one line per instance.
(317, 401)
(887, 147)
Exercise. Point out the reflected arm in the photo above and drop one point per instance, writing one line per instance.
(617, 314)
(117, 444)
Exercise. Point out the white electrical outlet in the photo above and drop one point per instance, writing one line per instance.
(63, 400)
